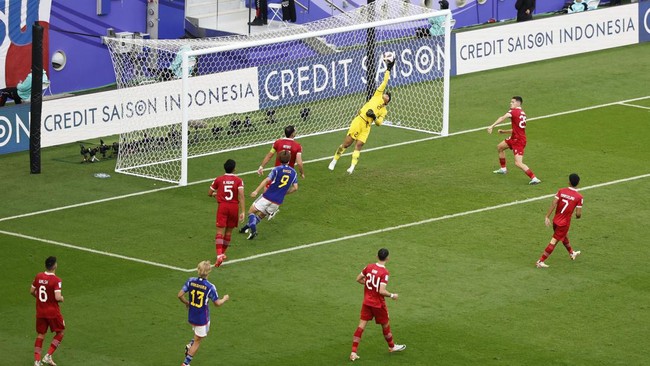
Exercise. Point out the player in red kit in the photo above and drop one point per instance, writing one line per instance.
(517, 140)
(46, 288)
(566, 201)
(374, 278)
(288, 143)
(229, 192)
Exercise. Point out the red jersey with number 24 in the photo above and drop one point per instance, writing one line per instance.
(568, 200)
(227, 188)
(518, 121)
(376, 274)
(46, 284)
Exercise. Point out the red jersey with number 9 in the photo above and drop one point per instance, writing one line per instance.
(518, 121)
(46, 284)
(568, 200)
(376, 274)
(227, 188)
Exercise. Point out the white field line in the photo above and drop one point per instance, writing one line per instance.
(622, 102)
(83, 249)
(324, 242)
(635, 105)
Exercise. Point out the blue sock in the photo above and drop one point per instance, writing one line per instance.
(252, 222)
(188, 359)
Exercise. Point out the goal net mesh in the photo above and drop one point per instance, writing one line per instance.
(241, 91)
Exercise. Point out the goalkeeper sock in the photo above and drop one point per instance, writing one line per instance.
(339, 152)
(219, 244)
(355, 157)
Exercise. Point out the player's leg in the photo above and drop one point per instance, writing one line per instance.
(347, 141)
(218, 242)
(56, 341)
(356, 153)
(359, 332)
(519, 162)
(38, 343)
(226, 239)
(572, 253)
(547, 252)
(195, 344)
(501, 150)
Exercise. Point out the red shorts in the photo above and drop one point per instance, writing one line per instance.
(227, 215)
(517, 146)
(55, 324)
(380, 314)
(560, 232)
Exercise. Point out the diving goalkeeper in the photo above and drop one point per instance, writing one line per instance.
(374, 111)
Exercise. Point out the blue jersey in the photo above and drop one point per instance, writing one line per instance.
(282, 178)
(201, 293)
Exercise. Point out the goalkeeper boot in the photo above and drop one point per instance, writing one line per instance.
(354, 356)
(541, 264)
(500, 171)
(332, 164)
(574, 254)
(534, 181)
(350, 169)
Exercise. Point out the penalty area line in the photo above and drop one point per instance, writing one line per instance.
(427, 221)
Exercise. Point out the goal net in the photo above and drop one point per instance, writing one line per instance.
(195, 97)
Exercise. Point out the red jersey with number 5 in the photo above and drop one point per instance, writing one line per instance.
(46, 284)
(227, 188)
(568, 199)
(376, 274)
(518, 121)
(290, 145)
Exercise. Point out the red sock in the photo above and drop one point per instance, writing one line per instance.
(219, 244)
(38, 348)
(567, 245)
(356, 339)
(547, 252)
(226, 243)
(530, 174)
(55, 343)
(388, 336)
(502, 161)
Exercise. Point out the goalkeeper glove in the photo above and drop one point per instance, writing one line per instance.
(389, 65)
(371, 114)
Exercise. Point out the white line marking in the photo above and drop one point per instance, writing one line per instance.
(635, 106)
(330, 241)
(308, 161)
(108, 254)
(427, 221)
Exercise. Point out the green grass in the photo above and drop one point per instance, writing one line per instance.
(469, 292)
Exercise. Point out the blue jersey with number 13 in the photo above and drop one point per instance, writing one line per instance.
(282, 178)
(201, 292)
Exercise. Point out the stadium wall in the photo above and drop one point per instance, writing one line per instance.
(97, 115)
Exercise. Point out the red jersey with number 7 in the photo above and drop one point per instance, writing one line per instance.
(568, 199)
(227, 188)
(518, 121)
(376, 274)
(46, 284)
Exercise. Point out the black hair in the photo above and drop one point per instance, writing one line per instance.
(229, 166)
(389, 96)
(50, 262)
(289, 130)
(444, 4)
(382, 254)
(519, 99)
(285, 156)
(574, 179)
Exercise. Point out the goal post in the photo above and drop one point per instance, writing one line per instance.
(191, 98)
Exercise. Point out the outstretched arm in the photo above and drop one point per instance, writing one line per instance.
(499, 120)
(262, 185)
(266, 159)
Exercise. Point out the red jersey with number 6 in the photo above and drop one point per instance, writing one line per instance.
(227, 188)
(376, 274)
(290, 145)
(46, 284)
(568, 199)
(518, 121)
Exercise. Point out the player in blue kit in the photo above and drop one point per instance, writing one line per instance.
(284, 180)
(200, 293)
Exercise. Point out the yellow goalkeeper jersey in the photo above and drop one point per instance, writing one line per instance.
(376, 103)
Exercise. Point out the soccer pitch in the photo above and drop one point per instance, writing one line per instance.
(463, 241)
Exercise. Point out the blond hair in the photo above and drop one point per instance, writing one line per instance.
(204, 269)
